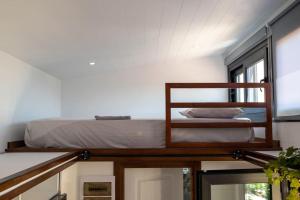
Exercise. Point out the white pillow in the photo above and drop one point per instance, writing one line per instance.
(211, 112)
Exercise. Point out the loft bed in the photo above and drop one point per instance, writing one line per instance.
(186, 147)
(173, 154)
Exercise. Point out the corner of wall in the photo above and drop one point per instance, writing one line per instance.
(26, 94)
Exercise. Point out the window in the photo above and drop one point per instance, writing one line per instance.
(249, 184)
(256, 74)
(281, 40)
(286, 67)
(239, 78)
(250, 68)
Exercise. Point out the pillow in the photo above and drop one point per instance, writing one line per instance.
(211, 112)
(97, 117)
(254, 114)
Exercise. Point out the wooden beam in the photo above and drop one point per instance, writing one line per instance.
(216, 85)
(259, 155)
(16, 144)
(254, 161)
(175, 152)
(218, 125)
(162, 159)
(217, 105)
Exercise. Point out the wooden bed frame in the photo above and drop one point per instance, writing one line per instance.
(191, 148)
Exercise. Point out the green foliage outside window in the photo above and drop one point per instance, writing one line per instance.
(261, 190)
(286, 169)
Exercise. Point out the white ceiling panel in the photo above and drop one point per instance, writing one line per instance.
(62, 36)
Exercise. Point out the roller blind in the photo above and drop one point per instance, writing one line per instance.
(286, 62)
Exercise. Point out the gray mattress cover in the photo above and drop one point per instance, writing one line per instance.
(126, 133)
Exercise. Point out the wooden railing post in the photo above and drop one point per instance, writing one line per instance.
(168, 115)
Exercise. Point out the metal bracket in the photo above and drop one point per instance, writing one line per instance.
(85, 155)
(237, 154)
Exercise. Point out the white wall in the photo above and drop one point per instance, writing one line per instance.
(26, 93)
(153, 184)
(228, 192)
(43, 191)
(289, 134)
(70, 177)
(134, 91)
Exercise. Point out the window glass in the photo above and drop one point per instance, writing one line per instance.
(255, 74)
(251, 67)
(240, 94)
(257, 191)
(248, 191)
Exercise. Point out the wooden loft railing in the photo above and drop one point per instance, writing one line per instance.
(265, 143)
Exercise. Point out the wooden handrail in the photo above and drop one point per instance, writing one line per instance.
(217, 105)
(216, 85)
(257, 158)
(218, 125)
(34, 182)
(24, 175)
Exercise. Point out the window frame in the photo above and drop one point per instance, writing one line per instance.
(291, 118)
(205, 179)
(270, 71)
(247, 60)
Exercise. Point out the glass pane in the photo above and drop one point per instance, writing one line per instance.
(255, 74)
(240, 93)
(257, 191)
(252, 191)
(187, 184)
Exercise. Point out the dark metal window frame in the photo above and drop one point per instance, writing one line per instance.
(270, 70)
(220, 177)
(254, 55)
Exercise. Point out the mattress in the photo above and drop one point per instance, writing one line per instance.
(126, 133)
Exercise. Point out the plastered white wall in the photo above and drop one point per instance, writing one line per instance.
(26, 93)
(227, 192)
(153, 184)
(289, 134)
(138, 92)
(70, 177)
(44, 190)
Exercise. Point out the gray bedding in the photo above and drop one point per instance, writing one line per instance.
(125, 133)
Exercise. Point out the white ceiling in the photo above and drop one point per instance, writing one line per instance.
(62, 36)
